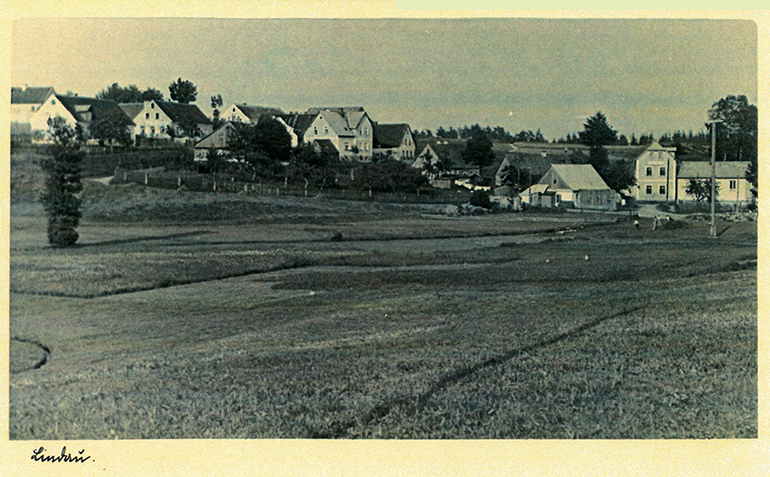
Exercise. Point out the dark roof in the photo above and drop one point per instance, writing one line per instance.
(132, 109)
(299, 122)
(179, 112)
(325, 145)
(31, 95)
(255, 112)
(389, 135)
(100, 109)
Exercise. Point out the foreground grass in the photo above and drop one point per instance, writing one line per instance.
(654, 336)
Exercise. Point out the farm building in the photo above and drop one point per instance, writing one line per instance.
(393, 140)
(215, 143)
(730, 179)
(572, 185)
(80, 111)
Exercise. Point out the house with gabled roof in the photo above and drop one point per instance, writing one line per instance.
(348, 128)
(572, 186)
(76, 110)
(393, 140)
(246, 113)
(449, 153)
(215, 143)
(168, 119)
(730, 178)
(26, 102)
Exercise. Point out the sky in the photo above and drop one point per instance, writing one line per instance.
(646, 76)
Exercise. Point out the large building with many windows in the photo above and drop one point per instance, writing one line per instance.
(656, 174)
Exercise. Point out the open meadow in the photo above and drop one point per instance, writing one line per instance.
(192, 315)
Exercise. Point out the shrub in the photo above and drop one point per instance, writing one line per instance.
(480, 198)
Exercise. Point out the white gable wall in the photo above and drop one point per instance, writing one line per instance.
(51, 109)
(152, 121)
(655, 176)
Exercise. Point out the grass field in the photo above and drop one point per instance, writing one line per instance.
(303, 318)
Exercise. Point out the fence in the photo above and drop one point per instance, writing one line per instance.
(160, 178)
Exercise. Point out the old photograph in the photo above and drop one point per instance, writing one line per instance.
(404, 228)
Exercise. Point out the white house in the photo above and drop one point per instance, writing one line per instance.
(348, 128)
(166, 119)
(572, 185)
(656, 174)
(730, 179)
(77, 110)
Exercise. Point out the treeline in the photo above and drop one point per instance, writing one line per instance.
(499, 134)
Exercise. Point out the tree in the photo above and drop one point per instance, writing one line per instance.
(478, 151)
(597, 132)
(265, 146)
(62, 184)
(752, 175)
(737, 132)
(182, 91)
(216, 103)
(700, 190)
(129, 94)
(109, 131)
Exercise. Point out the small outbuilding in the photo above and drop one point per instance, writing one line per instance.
(572, 186)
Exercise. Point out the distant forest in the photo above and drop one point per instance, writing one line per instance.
(499, 134)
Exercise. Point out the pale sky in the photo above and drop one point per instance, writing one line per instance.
(646, 76)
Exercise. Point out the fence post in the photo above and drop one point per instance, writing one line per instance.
(146, 178)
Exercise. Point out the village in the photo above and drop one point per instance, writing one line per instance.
(381, 229)
(516, 175)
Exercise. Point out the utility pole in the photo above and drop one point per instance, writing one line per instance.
(713, 176)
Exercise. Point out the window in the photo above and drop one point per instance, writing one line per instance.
(663, 171)
(649, 171)
(152, 105)
(146, 115)
(649, 190)
(152, 130)
(662, 190)
(733, 184)
(326, 130)
(315, 131)
(347, 146)
(157, 115)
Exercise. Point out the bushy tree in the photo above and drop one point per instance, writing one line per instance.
(183, 91)
(129, 94)
(265, 147)
(109, 132)
(700, 190)
(478, 151)
(737, 132)
(62, 184)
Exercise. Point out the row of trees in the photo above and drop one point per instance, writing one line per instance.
(181, 91)
(497, 134)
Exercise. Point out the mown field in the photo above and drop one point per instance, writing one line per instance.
(310, 318)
